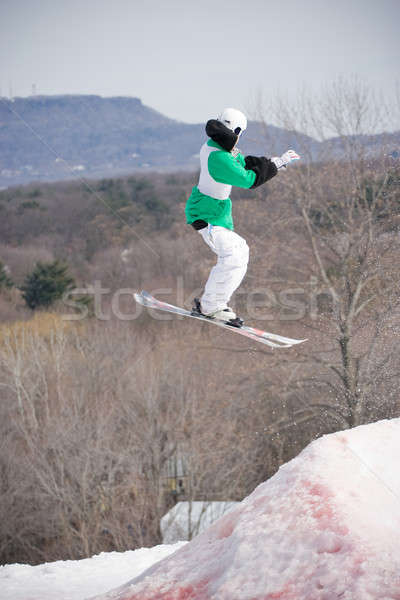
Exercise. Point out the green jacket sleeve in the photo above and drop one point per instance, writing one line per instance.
(225, 168)
(241, 159)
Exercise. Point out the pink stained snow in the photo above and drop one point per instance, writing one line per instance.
(325, 527)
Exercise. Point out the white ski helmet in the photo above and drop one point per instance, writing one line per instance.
(233, 119)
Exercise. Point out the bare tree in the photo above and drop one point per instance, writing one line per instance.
(91, 417)
(345, 228)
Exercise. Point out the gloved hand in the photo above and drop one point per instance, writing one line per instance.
(285, 159)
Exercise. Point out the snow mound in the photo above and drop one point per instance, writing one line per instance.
(325, 527)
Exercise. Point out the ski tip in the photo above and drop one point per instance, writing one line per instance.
(138, 297)
(297, 342)
(145, 294)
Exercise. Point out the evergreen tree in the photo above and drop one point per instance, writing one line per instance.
(5, 280)
(46, 284)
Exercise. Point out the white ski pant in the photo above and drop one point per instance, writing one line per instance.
(226, 276)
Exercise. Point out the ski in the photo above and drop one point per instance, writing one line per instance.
(270, 339)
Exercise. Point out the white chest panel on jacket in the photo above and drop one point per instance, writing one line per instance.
(207, 185)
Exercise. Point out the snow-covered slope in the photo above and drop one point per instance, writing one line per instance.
(78, 579)
(325, 527)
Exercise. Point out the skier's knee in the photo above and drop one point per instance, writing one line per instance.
(240, 255)
(245, 253)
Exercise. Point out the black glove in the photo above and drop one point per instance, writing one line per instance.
(263, 167)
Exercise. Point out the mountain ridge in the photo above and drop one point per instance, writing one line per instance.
(49, 138)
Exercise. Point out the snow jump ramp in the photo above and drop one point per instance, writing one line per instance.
(326, 526)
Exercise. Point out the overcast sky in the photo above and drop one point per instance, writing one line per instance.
(190, 59)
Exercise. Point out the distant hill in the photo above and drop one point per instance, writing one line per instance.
(107, 136)
(100, 137)
(95, 135)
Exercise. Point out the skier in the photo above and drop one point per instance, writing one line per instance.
(209, 208)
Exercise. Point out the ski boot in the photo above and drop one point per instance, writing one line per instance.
(226, 315)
